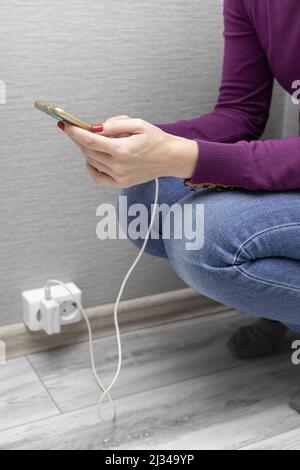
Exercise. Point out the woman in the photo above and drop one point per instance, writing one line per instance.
(251, 256)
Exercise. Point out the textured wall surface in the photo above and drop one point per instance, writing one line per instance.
(159, 60)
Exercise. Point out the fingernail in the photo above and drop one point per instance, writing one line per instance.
(96, 128)
(61, 125)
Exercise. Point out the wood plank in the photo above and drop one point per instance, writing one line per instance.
(233, 434)
(156, 417)
(286, 441)
(133, 314)
(256, 408)
(151, 358)
(23, 398)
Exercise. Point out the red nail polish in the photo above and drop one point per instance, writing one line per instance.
(61, 125)
(96, 128)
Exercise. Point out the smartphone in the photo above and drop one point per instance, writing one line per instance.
(61, 115)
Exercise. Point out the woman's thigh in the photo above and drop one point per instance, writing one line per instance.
(251, 254)
(240, 226)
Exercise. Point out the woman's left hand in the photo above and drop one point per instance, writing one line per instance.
(131, 151)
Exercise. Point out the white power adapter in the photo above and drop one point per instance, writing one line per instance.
(50, 316)
(40, 313)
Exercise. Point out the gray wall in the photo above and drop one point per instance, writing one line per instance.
(159, 60)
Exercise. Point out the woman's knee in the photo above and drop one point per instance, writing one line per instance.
(204, 254)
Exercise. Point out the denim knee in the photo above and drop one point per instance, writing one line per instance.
(211, 267)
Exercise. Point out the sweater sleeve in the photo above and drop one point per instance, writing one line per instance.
(229, 151)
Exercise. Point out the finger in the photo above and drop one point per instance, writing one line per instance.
(101, 178)
(101, 168)
(100, 157)
(117, 118)
(88, 139)
(124, 126)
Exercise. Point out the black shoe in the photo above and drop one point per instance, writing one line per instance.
(258, 340)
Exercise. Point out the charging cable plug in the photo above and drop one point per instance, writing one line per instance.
(50, 316)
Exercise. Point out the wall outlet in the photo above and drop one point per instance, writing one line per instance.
(69, 313)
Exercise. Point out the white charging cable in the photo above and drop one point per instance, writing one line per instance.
(50, 283)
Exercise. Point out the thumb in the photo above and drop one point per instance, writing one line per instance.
(118, 127)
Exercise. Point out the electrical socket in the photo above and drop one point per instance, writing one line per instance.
(69, 313)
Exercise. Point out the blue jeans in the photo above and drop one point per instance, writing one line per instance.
(251, 255)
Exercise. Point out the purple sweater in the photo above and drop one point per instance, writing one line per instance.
(262, 42)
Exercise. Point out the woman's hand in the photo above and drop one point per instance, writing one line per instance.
(131, 151)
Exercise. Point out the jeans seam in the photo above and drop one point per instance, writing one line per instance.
(265, 281)
(253, 237)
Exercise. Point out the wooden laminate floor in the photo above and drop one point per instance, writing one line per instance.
(179, 389)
